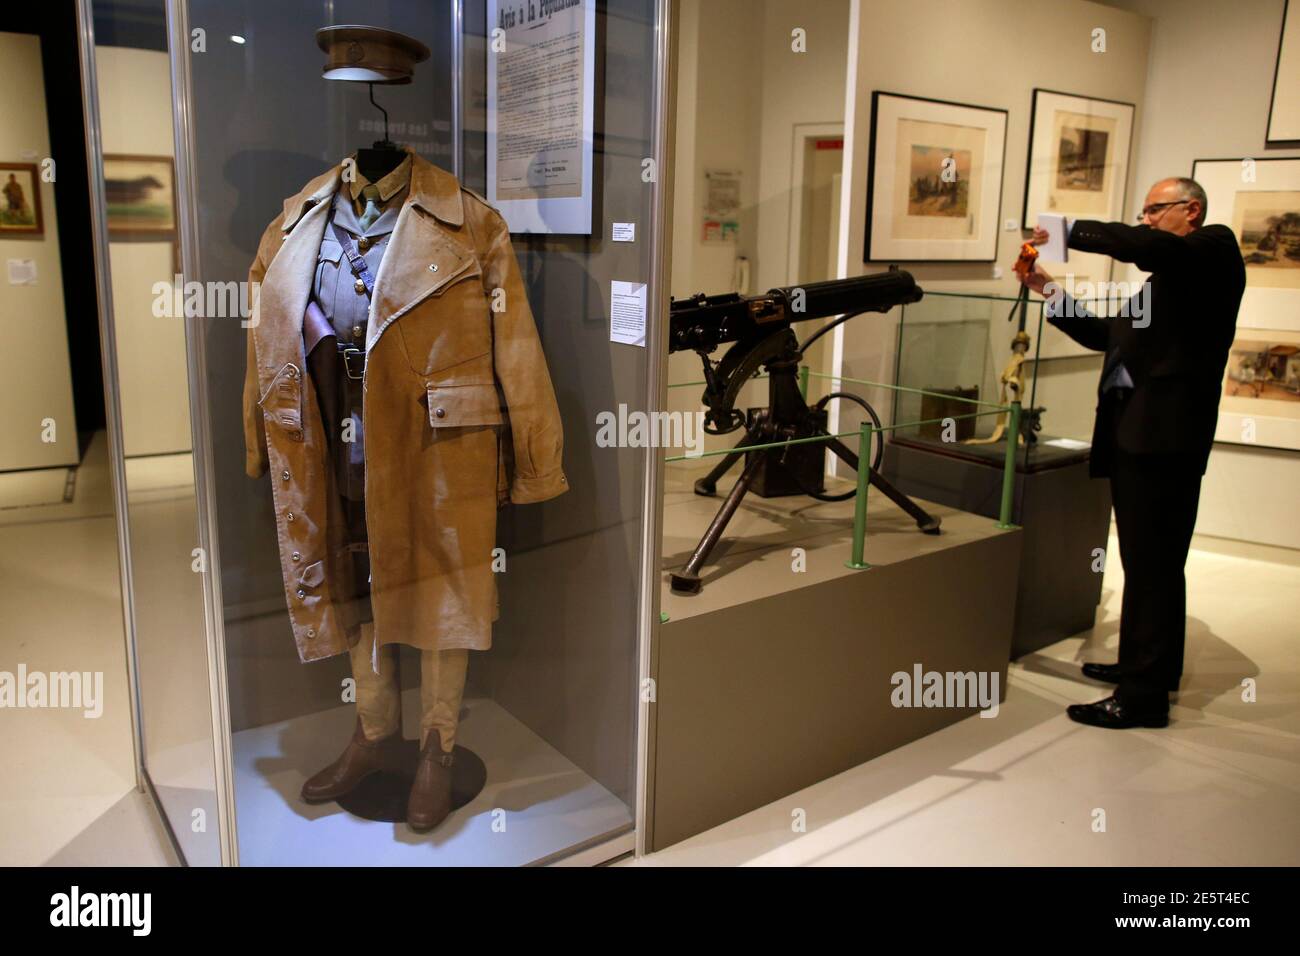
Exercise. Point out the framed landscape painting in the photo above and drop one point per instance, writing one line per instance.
(1259, 199)
(140, 192)
(1260, 404)
(1078, 157)
(934, 180)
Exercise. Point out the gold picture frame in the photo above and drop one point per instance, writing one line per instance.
(20, 201)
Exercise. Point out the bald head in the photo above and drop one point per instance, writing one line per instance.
(1176, 205)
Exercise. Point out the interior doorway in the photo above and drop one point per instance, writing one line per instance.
(816, 173)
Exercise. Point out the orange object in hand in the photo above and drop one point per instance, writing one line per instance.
(1025, 264)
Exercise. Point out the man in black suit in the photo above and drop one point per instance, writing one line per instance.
(1158, 403)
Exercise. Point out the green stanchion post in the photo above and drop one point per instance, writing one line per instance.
(803, 381)
(1009, 468)
(858, 561)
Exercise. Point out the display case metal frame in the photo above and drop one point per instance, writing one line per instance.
(108, 359)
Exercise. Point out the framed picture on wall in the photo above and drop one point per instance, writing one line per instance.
(140, 193)
(1260, 404)
(1078, 157)
(20, 200)
(1259, 199)
(934, 183)
(1284, 108)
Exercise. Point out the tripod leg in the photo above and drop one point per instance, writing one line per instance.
(688, 578)
(924, 520)
(708, 485)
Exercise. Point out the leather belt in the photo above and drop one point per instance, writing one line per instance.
(354, 361)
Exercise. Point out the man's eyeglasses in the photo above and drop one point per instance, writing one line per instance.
(1154, 208)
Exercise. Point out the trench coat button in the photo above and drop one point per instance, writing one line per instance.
(293, 372)
(289, 516)
(364, 243)
(360, 286)
(311, 632)
(433, 267)
(440, 412)
(284, 475)
(357, 331)
(297, 556)
(301, 594)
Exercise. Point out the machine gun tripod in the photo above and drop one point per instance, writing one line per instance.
(760, 327)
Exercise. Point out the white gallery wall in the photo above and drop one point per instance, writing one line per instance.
(135, 109)
(990, 53)
(1208, 89)
(717, 127)
(37, 381)
(1200, 73)
(741, 89)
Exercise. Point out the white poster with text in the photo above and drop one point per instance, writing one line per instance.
(540, 108)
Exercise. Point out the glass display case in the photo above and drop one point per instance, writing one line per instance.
(392, 596)
(955, 350)
(952, 352)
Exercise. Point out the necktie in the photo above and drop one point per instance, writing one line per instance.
(371, 195)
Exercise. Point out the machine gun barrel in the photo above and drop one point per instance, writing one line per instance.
(702, 323)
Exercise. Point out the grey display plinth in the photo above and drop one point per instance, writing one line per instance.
(1064, 513)
(774, 678)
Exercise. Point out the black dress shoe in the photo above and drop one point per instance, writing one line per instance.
(1114, 714)
(1110, 673)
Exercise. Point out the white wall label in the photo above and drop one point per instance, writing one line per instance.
(627, 313)
(624, 232)
(22, 272)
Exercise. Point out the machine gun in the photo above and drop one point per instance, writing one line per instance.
(759, 331)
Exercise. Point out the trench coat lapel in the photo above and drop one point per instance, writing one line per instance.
(286, 286)
(422, 256)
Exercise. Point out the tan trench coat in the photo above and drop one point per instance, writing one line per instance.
(459, 417)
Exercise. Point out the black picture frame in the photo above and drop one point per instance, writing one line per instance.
(871, 173)
(1029, 150)
(1293, 142)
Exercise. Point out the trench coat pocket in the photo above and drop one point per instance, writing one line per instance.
(282, 401)
(458, 406)
(448, 322)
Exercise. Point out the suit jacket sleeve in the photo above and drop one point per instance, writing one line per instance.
(1079, 324)
(537, 434)
(1149, 249)
(255, 460)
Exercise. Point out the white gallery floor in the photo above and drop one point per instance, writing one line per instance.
(1219, 786)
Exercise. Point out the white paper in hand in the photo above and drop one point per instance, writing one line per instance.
(1058, 227)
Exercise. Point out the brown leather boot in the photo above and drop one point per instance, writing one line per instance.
(430, 800)
(359, 760)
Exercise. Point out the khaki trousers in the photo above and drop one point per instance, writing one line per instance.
(379, 696)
